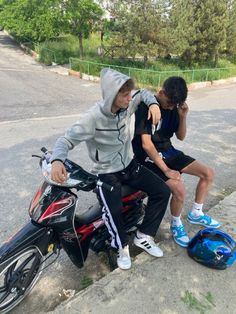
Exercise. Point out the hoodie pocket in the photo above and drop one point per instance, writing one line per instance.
(96, 155)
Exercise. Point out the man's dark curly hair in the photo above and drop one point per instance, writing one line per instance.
(175, 89)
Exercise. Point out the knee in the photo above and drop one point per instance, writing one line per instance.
(209, 174)
(178, 191)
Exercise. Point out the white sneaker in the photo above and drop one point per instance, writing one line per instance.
(123, 258)
(147, 243)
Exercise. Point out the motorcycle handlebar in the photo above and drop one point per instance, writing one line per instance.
(98, 182)
(105, 185)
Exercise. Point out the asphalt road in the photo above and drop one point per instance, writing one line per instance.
(37, 105)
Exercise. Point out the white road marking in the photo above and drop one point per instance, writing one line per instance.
(20, 70)
(40, 119)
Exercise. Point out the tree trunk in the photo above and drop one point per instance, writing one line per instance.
(81, 48)
(102, 36)
(145, 60)
(216, 59)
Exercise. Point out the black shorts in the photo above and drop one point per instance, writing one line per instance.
(177, 162)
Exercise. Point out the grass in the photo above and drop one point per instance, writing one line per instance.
(64, 47)
(58, 50)
(206, 304)
(86, 281)
(224, 193)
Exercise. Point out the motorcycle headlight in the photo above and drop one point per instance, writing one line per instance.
(69, 183)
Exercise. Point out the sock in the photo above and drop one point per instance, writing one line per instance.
(176, 221)
(140, 234)
(197, 210)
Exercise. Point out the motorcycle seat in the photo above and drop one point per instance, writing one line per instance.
(127, 190)
(95, 211)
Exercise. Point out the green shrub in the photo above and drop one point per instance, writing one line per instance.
(63, 47)
(66, 47)
(59, 50)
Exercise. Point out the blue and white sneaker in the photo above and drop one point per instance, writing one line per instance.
(180, 235)
(203, 220)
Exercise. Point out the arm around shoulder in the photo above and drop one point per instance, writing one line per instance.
(144, 96)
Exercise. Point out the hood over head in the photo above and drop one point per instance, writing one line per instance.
(111, 82)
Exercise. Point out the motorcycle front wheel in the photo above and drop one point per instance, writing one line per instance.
(18, 278)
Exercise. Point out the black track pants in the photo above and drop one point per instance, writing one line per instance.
(140, 178)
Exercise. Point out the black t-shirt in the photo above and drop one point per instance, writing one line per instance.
(161, 138)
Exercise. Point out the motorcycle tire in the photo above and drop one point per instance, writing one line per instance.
(19, 277)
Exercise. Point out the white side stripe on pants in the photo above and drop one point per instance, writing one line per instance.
(109, 222)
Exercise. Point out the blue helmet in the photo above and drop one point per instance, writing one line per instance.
(212, 248)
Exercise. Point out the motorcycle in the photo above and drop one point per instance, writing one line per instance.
(54, 225)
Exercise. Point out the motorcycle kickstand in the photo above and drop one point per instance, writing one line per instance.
(111, 258)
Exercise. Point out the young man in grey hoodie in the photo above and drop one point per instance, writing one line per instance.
(106, 130)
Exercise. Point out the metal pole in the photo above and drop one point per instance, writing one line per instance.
(192, 76)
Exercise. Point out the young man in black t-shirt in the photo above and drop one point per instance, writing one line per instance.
(153, 148)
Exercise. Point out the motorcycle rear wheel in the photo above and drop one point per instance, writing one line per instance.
(18, 278)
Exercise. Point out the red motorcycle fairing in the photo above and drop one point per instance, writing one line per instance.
(52, 205)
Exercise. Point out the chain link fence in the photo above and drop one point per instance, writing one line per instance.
(153, 78)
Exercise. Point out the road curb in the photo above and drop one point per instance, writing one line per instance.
(112, 289)
(26, 49)
(198, 85)
(74, 73)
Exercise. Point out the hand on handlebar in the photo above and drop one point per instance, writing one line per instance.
(58, 172)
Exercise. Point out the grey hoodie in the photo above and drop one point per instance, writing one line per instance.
(107, 135)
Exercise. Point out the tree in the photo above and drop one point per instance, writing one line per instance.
(140, 27)
(211, 31)
(81, 17)
(231, 29)
(182, 26)
(35, 20)
(200, 29)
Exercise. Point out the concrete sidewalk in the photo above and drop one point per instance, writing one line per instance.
(172, 284)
